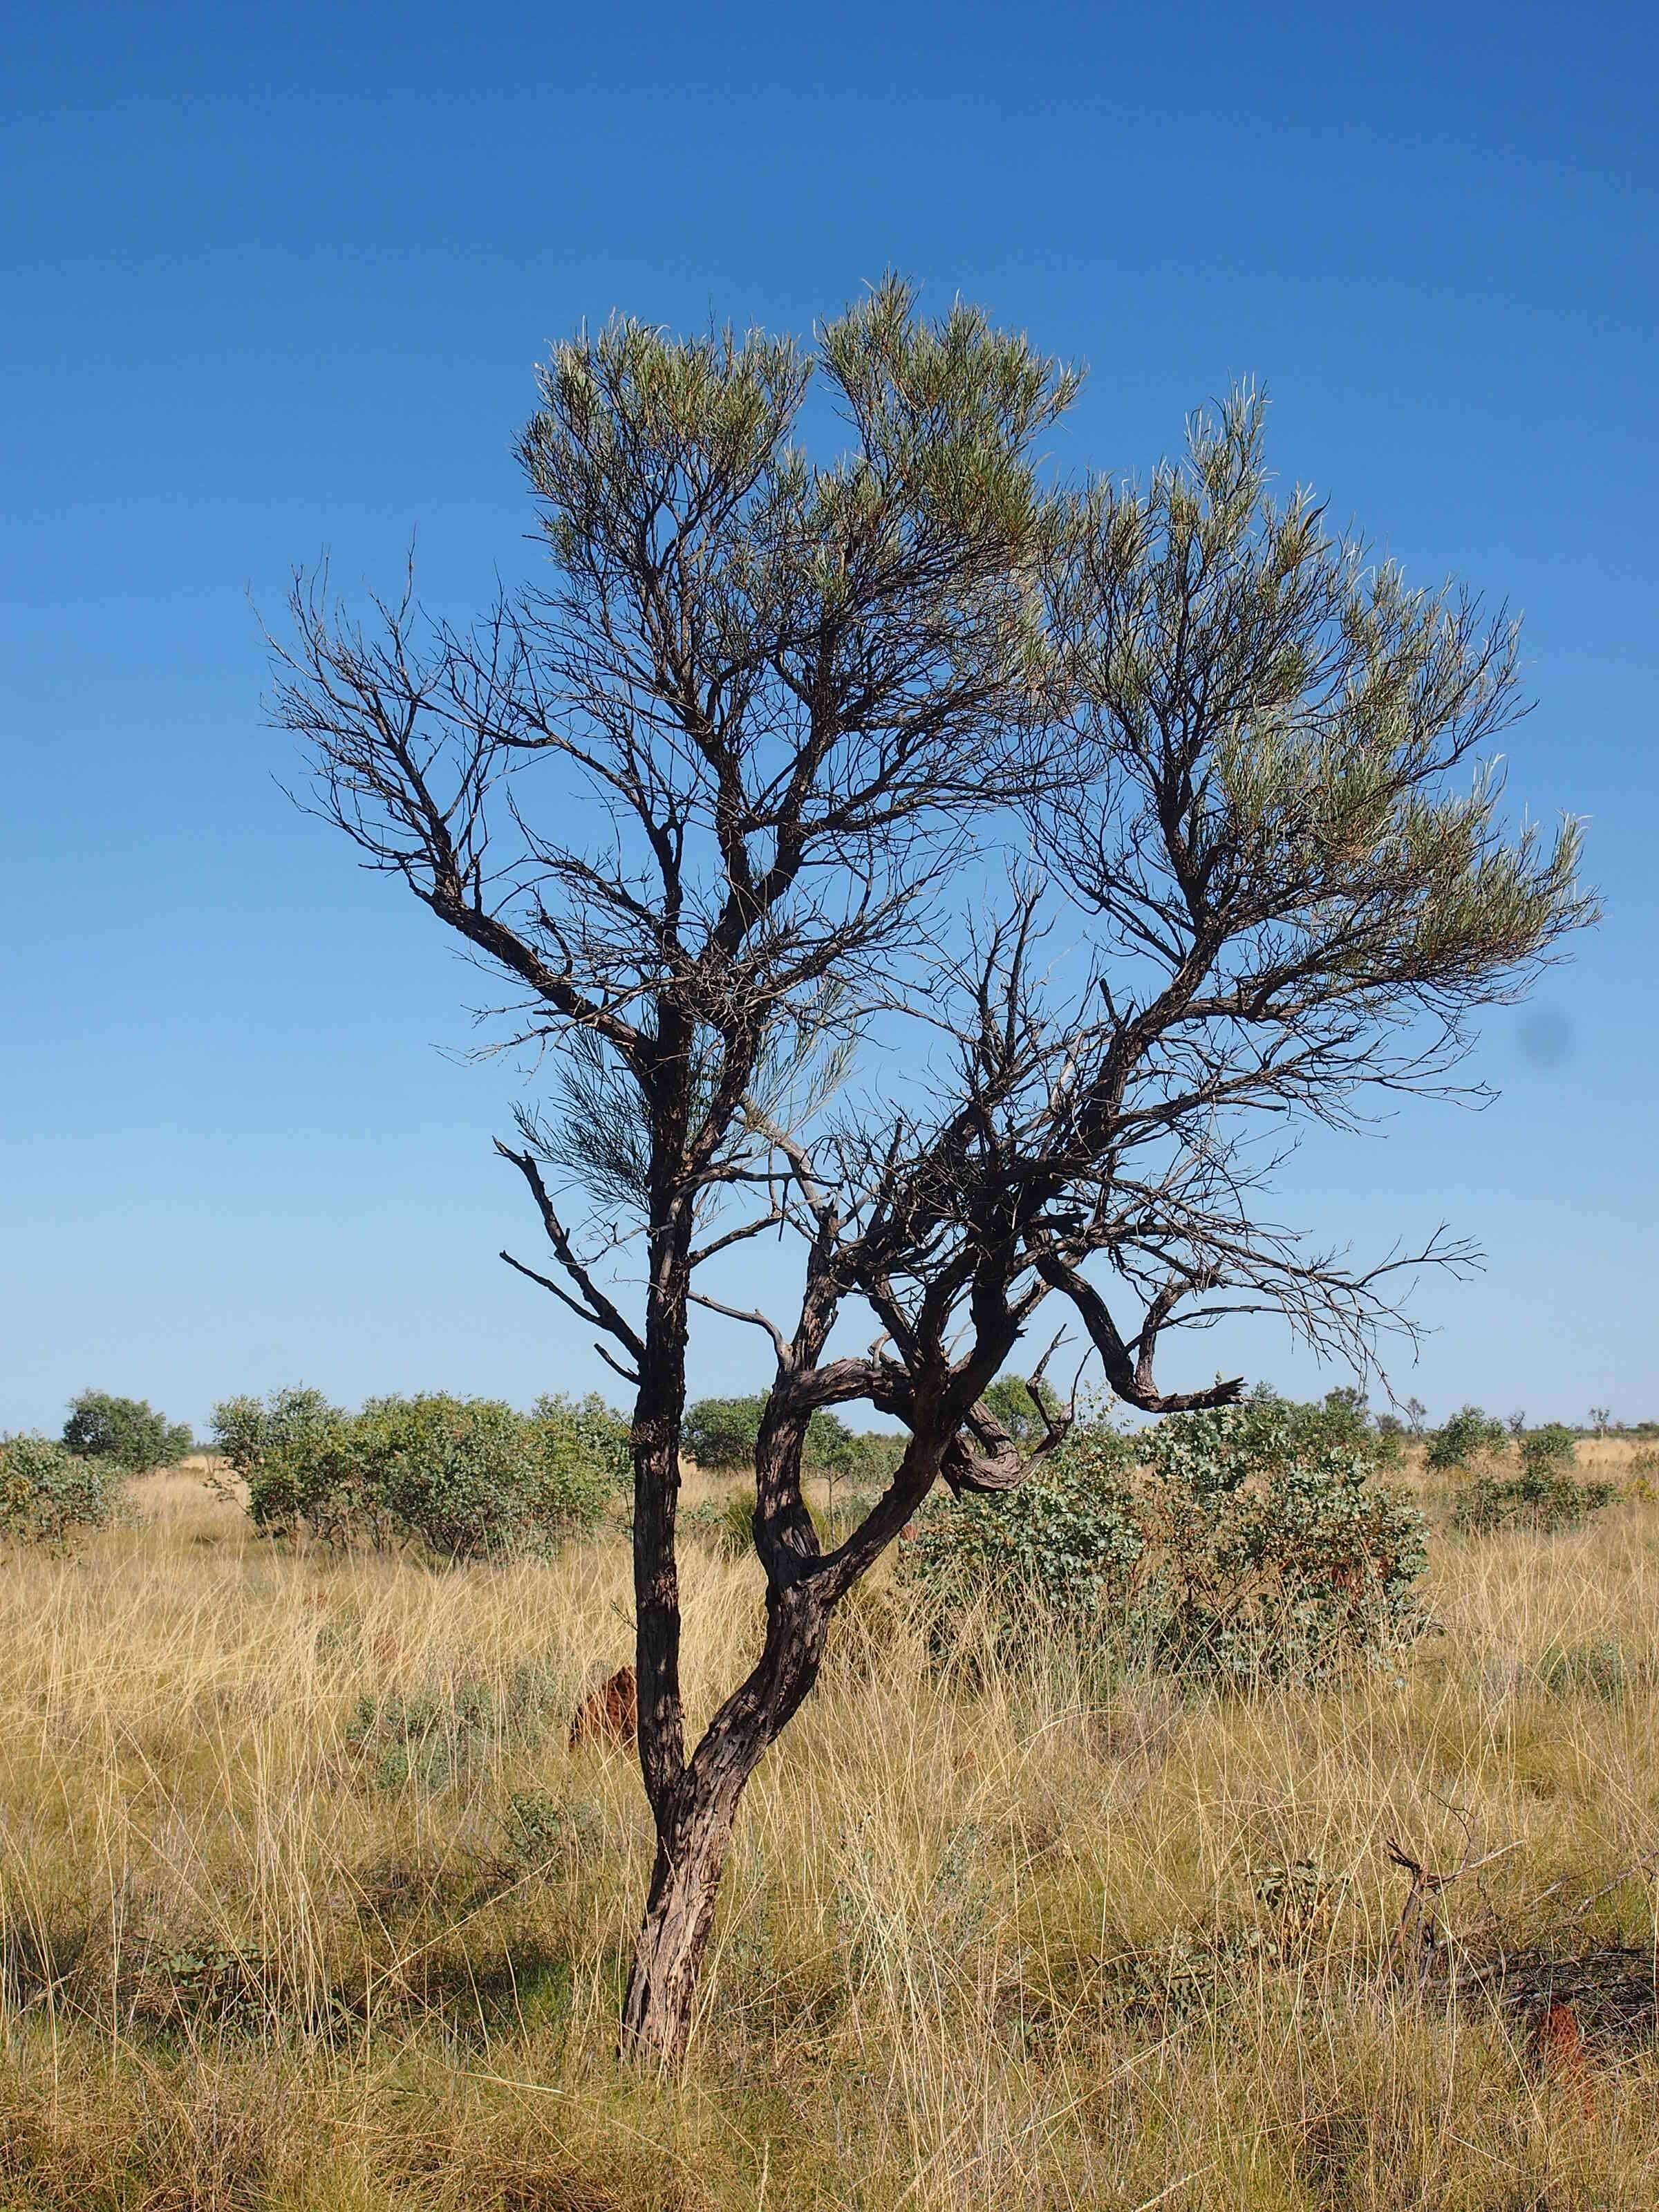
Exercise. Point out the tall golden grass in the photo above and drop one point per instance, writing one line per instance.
(305, 1904)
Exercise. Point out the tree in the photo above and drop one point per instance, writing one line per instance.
(1107, 834)
(1466, 1435)
(1416, 1414)
(125, 1431)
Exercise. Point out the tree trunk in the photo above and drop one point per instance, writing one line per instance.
(692, 1842)
(668, 1954)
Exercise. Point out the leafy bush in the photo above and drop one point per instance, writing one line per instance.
(1019, 1405)
(1251, 1543)
(722, 1434)
(1546, 1500)
(289, 1450)
(727, 1522)
(1466, 1438)
(47, 1493)
(1546, 1449)
(127, 1432)
(586, 1439)
(466, 1477)
(1069, 1538)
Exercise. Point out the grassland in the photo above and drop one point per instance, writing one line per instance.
(306, 1903)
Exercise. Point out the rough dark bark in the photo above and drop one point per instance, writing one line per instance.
(694, 1830)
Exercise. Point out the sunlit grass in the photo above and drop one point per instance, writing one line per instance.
(306, 1904)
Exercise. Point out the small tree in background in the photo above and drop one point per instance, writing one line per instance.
(1027, 1408)
(126, 1432)
(1468, 1435)
(797, 767)
(1546, 1451)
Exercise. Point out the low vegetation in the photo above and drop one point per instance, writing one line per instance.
(462, 1478)
(306, 1906)
(48, 1495)
(1252, 1544)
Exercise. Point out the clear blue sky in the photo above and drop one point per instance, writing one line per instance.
(276, 279)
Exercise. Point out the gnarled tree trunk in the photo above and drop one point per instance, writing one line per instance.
(694, 1830)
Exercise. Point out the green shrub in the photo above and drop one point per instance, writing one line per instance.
(467, 1478)
(48, 1494)
(289, 1450)
(589, 1441)
(727, 1523)
(1069, 1538)
(431, 1736)
(1251, 1543)
(1546, 1500)
(127, 1432)
(1543, 1451)
(722, 1434)
(1602, 1669)
(1467, 1436)
(1019, 1405)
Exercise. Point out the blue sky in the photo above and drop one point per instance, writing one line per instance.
(277, 281)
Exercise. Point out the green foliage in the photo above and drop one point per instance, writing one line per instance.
(1600, 1668)
(727, 1522)
(1251, 1543)
(48, 1494)
(127, 1432)
(1464, 1437)
(288, 1448)
(1544, 1451)
(1069, 1538)
(1543, 1496)
(723, 1434)
(1547, 1500)
(467, 1478)
(585, 1440)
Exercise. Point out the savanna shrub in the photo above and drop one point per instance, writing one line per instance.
(727, 1523)
(1543, 1451)
(48, 1494)
(1464, 1437)
(289, 1450)
(127, 1432)
(586, 1439)
(465, 1477)
(1251, 1543)
(722, 1434)
(1069, 1540)
(1544, 1499)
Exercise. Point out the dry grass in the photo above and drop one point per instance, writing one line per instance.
(305, 1904)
